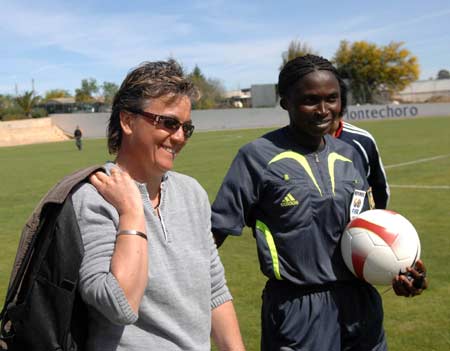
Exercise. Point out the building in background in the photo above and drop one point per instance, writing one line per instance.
(264, 95)
(238, 98)
(69, 105)
(59, 105)
(433, 90)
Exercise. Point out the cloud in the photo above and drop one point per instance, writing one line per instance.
(408, 24)
(92, 36)
(229, 41)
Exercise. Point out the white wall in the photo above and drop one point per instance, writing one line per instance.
(94, 124)
(422, 90)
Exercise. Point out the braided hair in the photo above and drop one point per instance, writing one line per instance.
(299, 67)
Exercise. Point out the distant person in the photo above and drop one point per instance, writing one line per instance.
(151, 275)
(367, 148)
(297, 188)
(77, 134)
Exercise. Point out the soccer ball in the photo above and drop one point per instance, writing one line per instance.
(378, 245)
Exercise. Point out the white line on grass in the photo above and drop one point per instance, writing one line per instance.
(420, 160)
(416, 186)
(439, 187)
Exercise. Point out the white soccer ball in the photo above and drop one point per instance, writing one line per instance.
(378, 245)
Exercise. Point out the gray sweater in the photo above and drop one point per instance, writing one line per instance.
(185, 278)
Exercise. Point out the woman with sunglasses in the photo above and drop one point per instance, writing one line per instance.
(151, 275)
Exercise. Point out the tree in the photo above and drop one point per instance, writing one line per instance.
(211, 90)
(296, 49)
(27, 101)
(56, 93)
(109, 90)
(86, 93)
(8, 107)
(6, 101)
(443, 74)
(374, 69)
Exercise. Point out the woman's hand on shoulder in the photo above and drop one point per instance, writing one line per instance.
(119, 189)
(413, 282)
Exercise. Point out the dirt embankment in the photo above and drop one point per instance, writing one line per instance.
(30, 131)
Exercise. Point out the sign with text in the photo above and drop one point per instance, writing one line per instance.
(365, 112)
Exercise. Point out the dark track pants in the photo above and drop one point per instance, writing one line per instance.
(332, 318)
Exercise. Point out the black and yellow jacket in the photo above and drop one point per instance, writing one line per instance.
(297, 203)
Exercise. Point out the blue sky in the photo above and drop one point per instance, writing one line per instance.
(58, 43)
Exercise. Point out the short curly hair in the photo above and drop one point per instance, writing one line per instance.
(299, 67)
(149, 80)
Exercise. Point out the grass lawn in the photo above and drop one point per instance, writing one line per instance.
(422, 323)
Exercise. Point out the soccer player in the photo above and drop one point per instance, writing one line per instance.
(297, 187)
(367, 148)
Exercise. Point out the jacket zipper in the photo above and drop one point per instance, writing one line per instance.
(323, 180)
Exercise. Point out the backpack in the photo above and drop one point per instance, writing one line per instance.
(43, 309)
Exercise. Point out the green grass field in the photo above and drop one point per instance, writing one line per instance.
(422, 323)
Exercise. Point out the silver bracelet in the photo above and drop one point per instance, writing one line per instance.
(132, 232)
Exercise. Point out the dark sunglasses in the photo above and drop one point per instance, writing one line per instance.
(169, 123)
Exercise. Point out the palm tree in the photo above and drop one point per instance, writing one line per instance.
(27, 102)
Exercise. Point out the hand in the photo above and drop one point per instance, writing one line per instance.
(413, 282)
(120, 190)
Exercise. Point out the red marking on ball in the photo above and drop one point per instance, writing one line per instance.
(382, 232)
